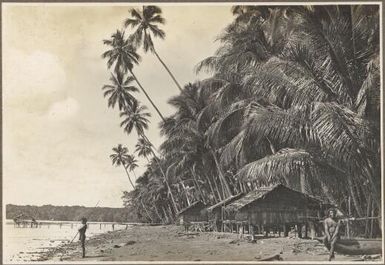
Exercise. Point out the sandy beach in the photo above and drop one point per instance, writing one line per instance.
(170, 243)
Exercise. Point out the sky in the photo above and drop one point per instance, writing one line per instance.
(57, 130)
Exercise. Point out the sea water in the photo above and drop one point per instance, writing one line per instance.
(24, 244)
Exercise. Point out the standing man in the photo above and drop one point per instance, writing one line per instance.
(82, 235)
(332, 226)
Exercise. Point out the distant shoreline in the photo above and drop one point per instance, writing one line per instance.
(71, 213)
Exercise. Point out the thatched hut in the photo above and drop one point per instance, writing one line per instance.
(215, 212)
(275, 207)
(192, 213)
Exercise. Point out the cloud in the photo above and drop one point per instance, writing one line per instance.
(63, 110)
(32, 80)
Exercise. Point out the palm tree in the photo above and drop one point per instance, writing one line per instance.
(120, 91)
(120, 157)
(135, 118)
(132, 164)
(124, 56)
(143, 148)
(146, 21)
(296, 103)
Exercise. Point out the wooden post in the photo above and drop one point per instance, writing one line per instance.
(306, 228)
(223, 225)
(348, 223)
(312, 230)
(367, 215)
(240, 231)
(252, 233)
(372, 222)
(285, 232)
(299, 230)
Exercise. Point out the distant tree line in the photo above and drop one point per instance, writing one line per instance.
(71, 213)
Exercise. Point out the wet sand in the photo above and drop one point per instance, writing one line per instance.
(170, 243)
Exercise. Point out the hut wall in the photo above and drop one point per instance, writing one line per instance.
(194, 215)
(263, 216)
(278, 207)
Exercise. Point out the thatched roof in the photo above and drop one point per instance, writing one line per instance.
(225, 202)
(260, 193)
(191, 206)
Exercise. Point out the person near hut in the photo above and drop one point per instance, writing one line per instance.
(82, 236)
(332, 226)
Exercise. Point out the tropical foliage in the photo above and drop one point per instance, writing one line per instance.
(293, 98)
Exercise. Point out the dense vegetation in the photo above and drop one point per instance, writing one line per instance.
(71, 213)
(293, 98)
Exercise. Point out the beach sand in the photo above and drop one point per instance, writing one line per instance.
(170, 243)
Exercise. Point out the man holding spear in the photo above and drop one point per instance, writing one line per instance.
(82, 236)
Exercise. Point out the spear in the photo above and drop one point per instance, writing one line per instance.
(61, 258)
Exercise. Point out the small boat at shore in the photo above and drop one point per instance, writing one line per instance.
(361, 246)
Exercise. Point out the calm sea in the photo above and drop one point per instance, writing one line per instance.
(27, 244)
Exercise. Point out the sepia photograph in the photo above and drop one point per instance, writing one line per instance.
(210, 132)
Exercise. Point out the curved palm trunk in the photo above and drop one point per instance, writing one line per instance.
(227, 190)
(165, 215)
(128, 175)
(212, 189)
(145, 209)
(185, 191)
(197, 184)
(163, 174)
(148, 97)
(158, 214)
(168, 70)
(168, 185)
(353, 194)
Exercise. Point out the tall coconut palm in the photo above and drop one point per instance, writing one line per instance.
(143, 148)
(135, 118)
(132, 164)
(120, 158)
(120, 91)
(146, 22)
(296, 102)
(124, 56)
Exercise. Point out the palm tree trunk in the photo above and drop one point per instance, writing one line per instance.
(157, 213)
(132, 184)
(148, 97)
(185, 191)
(212, 190)
(164, 175)
(221, 175)
(167, 184)
(197, 184)
(165, 215)
(145, 209)
(170, 211)
(218, 190)
(354, 197)
(168, 70)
